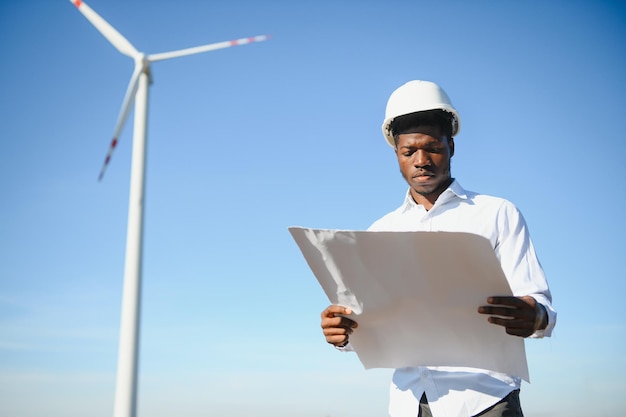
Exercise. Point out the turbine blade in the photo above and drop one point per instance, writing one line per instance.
(129, 98)
(205, 48)
(108, 31)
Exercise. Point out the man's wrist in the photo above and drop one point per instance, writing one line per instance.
(541, 317)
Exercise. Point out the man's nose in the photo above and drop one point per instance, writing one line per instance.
(422, 158)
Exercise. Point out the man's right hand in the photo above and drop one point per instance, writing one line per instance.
(337, 328)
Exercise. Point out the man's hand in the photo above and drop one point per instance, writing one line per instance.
(520, 316)
(337, 328)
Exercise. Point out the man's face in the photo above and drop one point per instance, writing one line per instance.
(424, 159)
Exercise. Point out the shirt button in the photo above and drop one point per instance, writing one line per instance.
(424, 374)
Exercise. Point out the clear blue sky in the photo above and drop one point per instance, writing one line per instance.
(246, 141)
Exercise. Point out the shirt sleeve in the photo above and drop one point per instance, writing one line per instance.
(346, 348)
(515, 250)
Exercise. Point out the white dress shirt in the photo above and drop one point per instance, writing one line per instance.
(456, 391)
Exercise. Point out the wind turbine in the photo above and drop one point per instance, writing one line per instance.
(137, 92)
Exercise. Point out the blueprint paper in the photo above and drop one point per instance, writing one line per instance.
(415, 296)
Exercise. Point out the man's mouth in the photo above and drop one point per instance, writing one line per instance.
(423, 175)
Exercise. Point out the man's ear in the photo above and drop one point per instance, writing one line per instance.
(451, 146)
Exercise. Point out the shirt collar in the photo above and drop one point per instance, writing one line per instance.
(454, 190)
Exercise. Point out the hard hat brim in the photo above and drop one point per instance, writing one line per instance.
(388, 134)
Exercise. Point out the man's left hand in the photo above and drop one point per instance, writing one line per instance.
(520, 316)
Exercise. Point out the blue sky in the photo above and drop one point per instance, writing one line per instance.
(244, 142)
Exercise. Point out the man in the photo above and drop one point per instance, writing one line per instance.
(420, 124)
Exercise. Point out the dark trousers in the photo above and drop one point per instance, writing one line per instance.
(509, 406)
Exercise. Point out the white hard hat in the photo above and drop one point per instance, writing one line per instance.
(416, 96)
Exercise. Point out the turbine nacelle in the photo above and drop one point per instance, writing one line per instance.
(142, 60)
